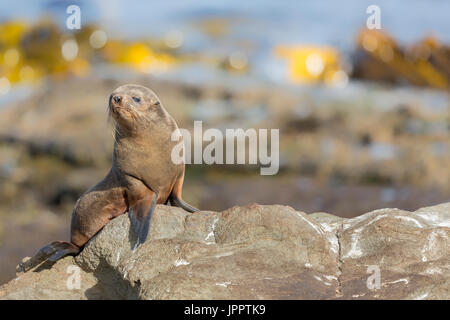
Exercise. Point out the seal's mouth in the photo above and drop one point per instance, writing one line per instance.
(121, 111)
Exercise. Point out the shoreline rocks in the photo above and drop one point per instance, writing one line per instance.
(255, 252)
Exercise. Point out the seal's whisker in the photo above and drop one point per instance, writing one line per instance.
(133, 114)
(116, 134)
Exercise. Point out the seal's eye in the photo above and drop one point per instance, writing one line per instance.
(136, 99)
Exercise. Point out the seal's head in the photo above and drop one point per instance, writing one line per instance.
(133, 105)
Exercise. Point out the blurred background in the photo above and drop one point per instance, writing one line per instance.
(363, 114)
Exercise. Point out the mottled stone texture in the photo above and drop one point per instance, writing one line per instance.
(256, 252)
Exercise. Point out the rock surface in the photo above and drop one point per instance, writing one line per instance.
(255, 252)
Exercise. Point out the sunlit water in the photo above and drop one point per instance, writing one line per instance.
(255, 27)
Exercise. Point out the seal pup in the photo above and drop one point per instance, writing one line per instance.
(142, 173)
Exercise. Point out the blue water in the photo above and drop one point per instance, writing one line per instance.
(256, 27)
(320, 21)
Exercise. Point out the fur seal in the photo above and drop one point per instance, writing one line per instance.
(142, 173)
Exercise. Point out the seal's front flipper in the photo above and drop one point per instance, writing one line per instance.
(141, 213)
(57, 250)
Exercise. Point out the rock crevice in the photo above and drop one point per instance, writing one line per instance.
(339, 292)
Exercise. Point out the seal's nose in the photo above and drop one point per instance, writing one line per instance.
(117, 99)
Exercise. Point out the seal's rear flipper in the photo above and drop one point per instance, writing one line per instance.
(178, 202)
(175, 196)
(51, 252)
(141, 215)
(57, 250)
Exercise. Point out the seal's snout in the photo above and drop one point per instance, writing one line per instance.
(117, 98)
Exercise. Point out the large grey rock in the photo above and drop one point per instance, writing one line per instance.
(256, 252)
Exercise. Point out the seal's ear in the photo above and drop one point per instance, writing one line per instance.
(157, 103)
